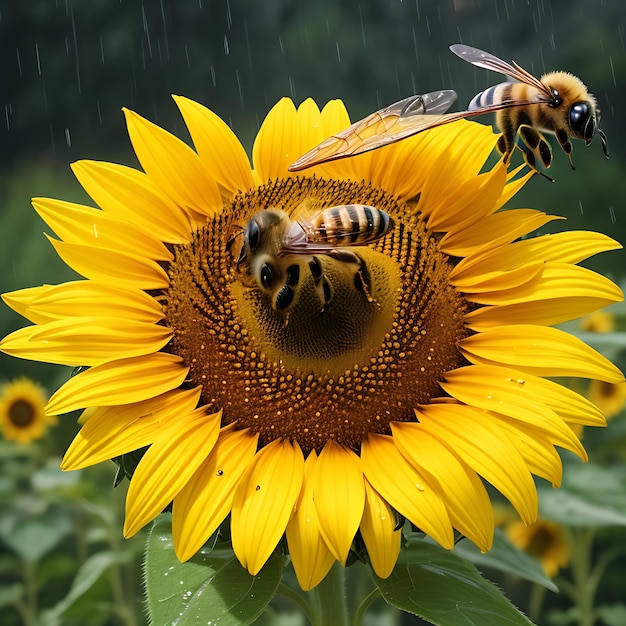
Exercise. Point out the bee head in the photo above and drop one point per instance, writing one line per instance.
(280, 284)
(583, 121)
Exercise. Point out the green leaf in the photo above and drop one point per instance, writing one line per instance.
(11, 594)
(506, 557)
(590, 496)
(89, 572)
(211, 587)
(32, 539)
(444, 589)
(612, 615)
(50, 477)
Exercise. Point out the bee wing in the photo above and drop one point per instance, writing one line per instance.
(375, 134)
(397, 121)
(487, 61)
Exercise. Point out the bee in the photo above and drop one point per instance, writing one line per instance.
(275, 248)
(561, 105)
(558, 103)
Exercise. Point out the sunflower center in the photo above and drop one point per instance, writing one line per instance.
(334, 365)
(21, 413)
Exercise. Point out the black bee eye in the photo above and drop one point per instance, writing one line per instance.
(579, 118)
(268, 275)
(252, 234)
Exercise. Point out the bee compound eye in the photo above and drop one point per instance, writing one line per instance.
(284, 298)
(579, 115)
(267, 275)
(252, 234)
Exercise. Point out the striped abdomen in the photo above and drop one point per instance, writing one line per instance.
(348, 225)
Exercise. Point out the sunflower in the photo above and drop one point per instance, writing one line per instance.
(394, 400)
(542, 539)
(22, 415)
(610, 398)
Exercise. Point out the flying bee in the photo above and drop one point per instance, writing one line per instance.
(561, 105)
(558, 103)
(275, 247)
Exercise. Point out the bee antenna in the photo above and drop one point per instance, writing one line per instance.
(604, 144)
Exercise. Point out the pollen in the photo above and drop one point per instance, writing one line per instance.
(308, 375)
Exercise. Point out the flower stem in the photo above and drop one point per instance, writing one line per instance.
(328, 599)
(584, 589)
(358, 617)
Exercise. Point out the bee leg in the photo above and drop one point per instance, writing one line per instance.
(322, 286)
(534, 145)
(362, 279)
(285, 298)
(566, 144)
(537, 144)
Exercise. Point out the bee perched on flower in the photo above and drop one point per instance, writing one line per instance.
(424, 373)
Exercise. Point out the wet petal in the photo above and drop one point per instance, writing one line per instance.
(120, 382)
(113, 431)
(339, 497)
(460, 487)
(488, 450)
(378, 529)
(206, 499)
(263, 502)
(163, 471)
(309, 553)
(408, 491)
(540, 351)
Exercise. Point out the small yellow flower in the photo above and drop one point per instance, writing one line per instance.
(598, 322)
(22, 415)
(544, 540)
(322, 424)
(608, 397)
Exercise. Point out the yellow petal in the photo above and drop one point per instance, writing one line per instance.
(121, 268)
(540, 351)
(85, 340)
(173, 166)
(538, 453)
(511, 281)
(129, 194)
(207, 497)
(120, 382)
(381, 538)
(505, 391)
(460, 487)
(263, 502)
(112, 431)
(86, 298)
(281, 140)
(555, 309)
(486, 448)
(566, 247)
(514, 184)
(168, 464)
(217, 146)
(554, 280)
(309, 554)
(75, 223)
(21, 299)
(339, 497)
(408, 491)
(493, 231)
(470, 203)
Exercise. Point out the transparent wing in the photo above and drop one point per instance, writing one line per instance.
(394, 123)
(488, 61)
(397, 121)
